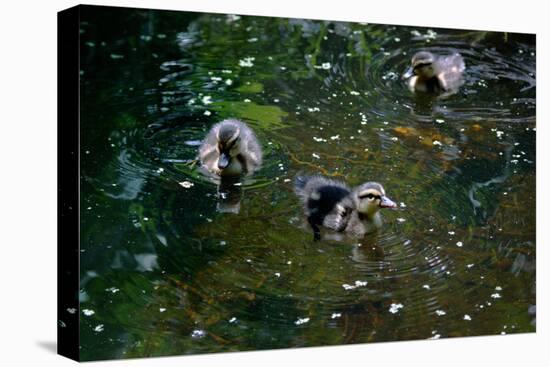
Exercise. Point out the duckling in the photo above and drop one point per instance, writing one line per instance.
(231, 149)
(435, 74)
(333, 205)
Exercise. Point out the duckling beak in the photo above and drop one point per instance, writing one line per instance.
(386, 202)
(223, 161)
(408, 73)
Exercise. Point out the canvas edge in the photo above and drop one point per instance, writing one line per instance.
(68, 183)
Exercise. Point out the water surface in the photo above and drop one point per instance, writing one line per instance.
(164, 272)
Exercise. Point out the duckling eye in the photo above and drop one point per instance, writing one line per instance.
(421, 65)
(371, 197)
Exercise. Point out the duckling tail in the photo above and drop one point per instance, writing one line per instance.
(300, 183)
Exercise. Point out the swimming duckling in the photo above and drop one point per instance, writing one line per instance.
(230, 149)
(435, 74)
(332, 204)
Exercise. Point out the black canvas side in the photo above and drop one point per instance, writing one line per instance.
(68, 173)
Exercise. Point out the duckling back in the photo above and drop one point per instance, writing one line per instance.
(325, 201)
(450, 70)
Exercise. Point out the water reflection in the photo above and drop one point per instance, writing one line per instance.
(229, 194)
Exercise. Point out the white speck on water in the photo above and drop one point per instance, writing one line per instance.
(436, 142)
(452, 233)
(160, 170)
(207, 113)
(223, 243)
(395, 307)
(397, 39)
(98, 328)
(459, 244)
(206, 100)
(276, 100)
(71, 310)
(430, 34)
(313, 109)
(385, 122)
(407, 242)
(357, 284)
(232, 320)
(145, 219)
(499, 134)
(495, 295)
(287, 180)
(426, 286)
(498, 288)
(394, 138)
(435, 337)
(440, 312)
(216, 78)
(401, 220)
(325, 65)
(89, 208)
(253, 39)
(319, 140)
(246, 100)
(335, 137)
(88, 312)
(186, 184)
(247, 62)
(116, 56)
(469, 266)
(289, 262)
(232, 18)
(162, 309)
(278, 275)
(402, 204)
(248, 261)
(301, 321)
(228, 82)
(198, 333)
(467, 318)
(314, 155)
(87, 152)
(112, 290)
(439, 121)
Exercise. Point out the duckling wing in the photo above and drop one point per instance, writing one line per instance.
(253, 151)
(208, 154)
(339, 217)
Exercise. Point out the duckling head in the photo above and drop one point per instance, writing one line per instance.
(422, 64)
(228, 138)
(371, 197)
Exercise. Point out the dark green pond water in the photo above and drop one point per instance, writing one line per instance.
(164, 272)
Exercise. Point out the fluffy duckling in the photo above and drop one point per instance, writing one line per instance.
(435, 74)
(230, 149)
(332, 204)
